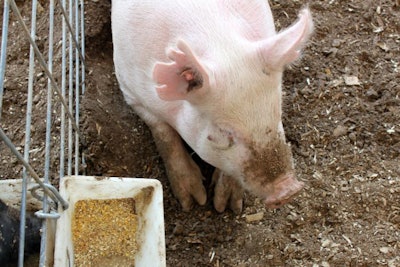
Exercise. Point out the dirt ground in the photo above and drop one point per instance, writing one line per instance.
(341, 115)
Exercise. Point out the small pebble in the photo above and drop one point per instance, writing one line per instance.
(384, 250)
(178, 230)
(351, 80)
(353, 137)
(254, 217)
(340, 130)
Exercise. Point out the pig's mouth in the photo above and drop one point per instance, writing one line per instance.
(283, 192)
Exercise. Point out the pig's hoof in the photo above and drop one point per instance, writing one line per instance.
(235, 202)
(187, 202)
(236, 205)
(189, 191)
(227, 191)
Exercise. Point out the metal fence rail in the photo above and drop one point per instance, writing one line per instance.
(64, 89)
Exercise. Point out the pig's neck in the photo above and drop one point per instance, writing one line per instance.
(191, 124)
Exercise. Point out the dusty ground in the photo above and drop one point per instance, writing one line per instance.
(341, 114)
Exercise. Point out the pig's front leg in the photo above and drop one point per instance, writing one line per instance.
(227, 189)
(183, 173)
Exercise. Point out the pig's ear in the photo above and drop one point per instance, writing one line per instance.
(182, 78)
(284, 48)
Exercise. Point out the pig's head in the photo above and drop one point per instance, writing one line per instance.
(232, 95)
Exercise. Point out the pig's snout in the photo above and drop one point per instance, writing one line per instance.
(284, 189)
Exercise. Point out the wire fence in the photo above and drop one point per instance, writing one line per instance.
(47, 97)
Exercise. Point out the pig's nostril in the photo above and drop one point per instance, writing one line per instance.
(285, 191)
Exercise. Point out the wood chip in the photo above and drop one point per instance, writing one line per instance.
(383, 46)
(384, 250)
(254, 217)
(351, 80)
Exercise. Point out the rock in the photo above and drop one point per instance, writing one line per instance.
(340, 130)
(254, 217)
(351, 80)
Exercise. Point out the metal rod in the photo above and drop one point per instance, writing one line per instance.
(77, 86)
(83, 45)
(76, 41)
(42, 62)
(70, 90)
(53, 191)
(45, 206)
(3, 51)
(73, 33)
(63, 85)
(28, 122)
(31, 171)
(47, 215)
(83, 67)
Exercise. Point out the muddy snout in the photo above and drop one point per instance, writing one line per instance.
(284, 189)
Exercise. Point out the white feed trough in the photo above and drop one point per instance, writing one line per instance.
(110, 222)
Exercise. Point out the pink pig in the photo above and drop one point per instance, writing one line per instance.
(210, 72)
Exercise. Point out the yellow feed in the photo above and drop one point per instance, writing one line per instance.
(104, 232)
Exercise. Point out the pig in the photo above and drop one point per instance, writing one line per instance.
(9, 234)
(210, 72)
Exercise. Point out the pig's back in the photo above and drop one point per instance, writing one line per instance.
(144, 29)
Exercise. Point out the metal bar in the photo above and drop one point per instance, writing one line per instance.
(63, 85)
(83, 45)
(76, 41)
(34, 175)
(70, 90)
(73, 33)
(77, 85)
(48, 215)
(83, 68)
(45, 207)
(42, 62)
(53, 190)
(28, 122)
(3, 51)
(49, 93)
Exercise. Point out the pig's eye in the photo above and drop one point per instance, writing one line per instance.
(222, 139)
(266, 71)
